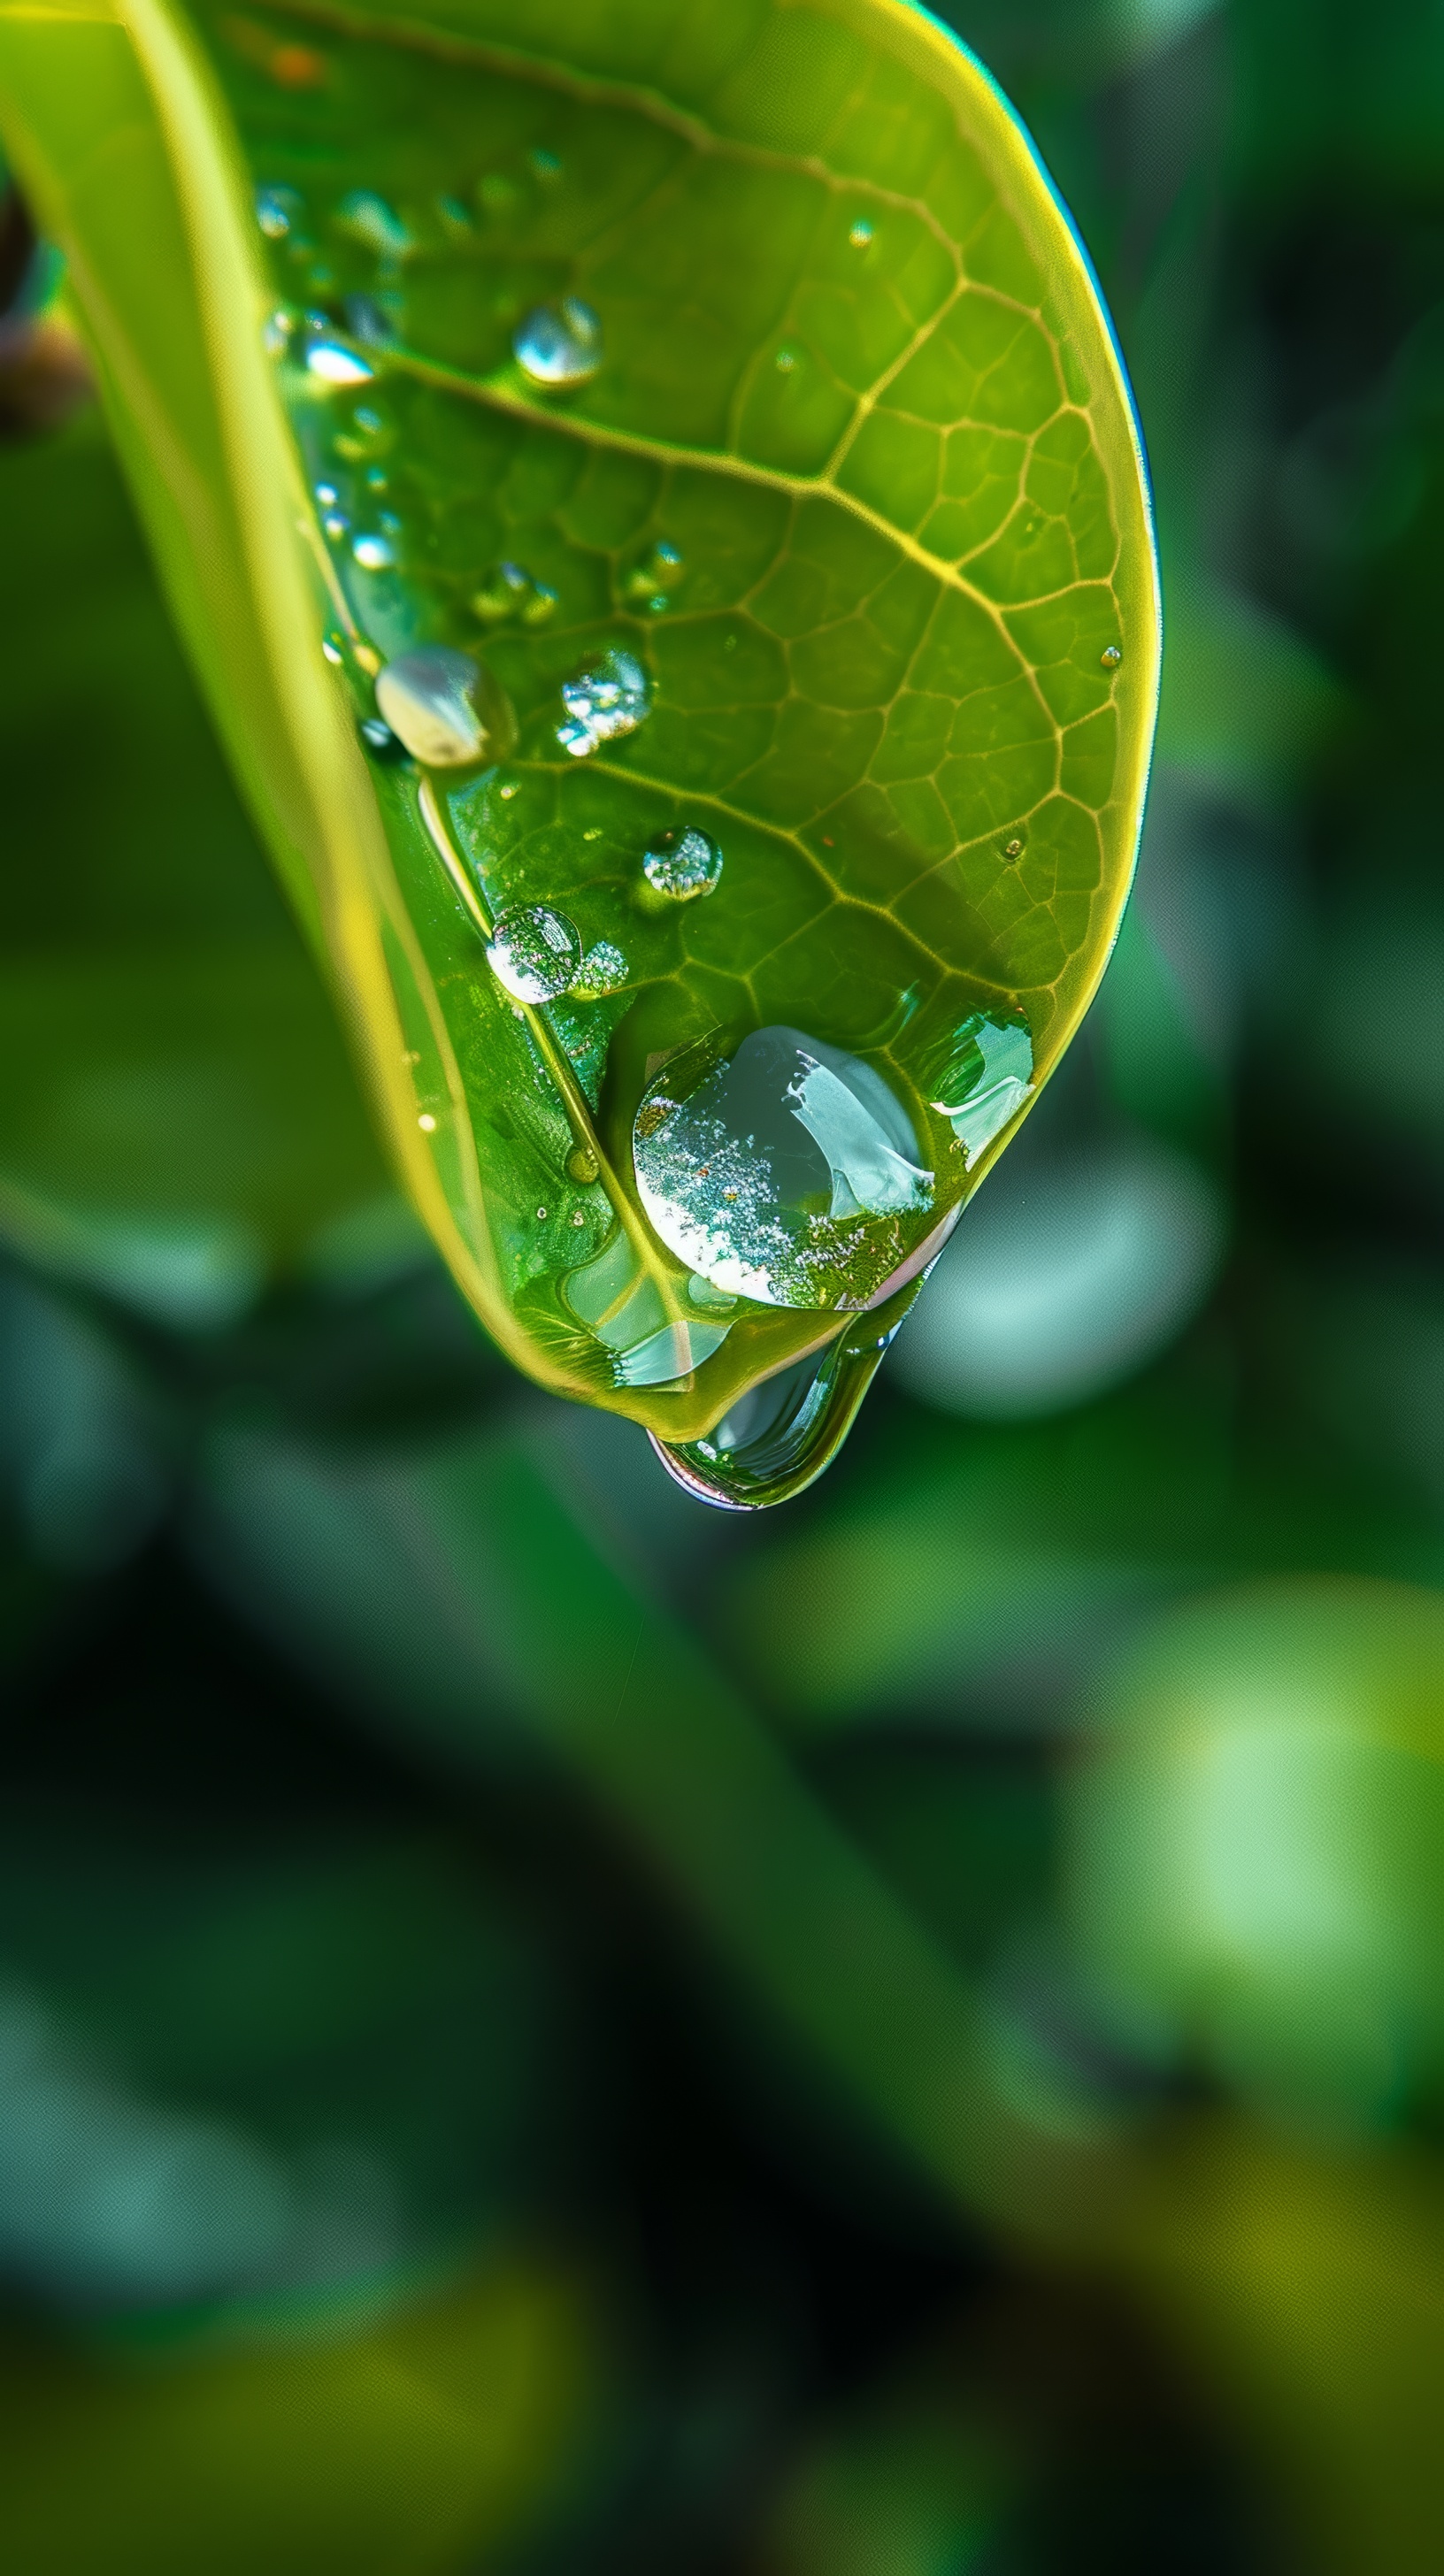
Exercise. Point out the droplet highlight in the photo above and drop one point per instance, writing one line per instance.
(683, 864)
(604, 704)
(445, 708)
(534, 953)
(559, 347)
(278, 211)
(1111, 656)
(334, 365)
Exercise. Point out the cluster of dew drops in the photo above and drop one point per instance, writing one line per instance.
(437, 705)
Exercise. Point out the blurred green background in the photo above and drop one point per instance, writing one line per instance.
(546, 2029)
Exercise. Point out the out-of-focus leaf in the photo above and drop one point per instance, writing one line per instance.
(840, 458)
(1260, 1843)
(427, 2442)
(178, 1123)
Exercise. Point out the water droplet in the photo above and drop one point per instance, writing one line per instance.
(1111, 656)
(577, 1217)
(507, 790)
(604, 704)
(276, 331)
(327, 495)
(861, 233)
(446, 709)
(533, 952)
(547, 165)
(603, 970)
(331, 649)
(454, 215)
(278, 210)
(541, 1216)
(369, 220)
(764, 1179)
(1013, 849)
(987, 1076)
(785, 361)
(369, 321)
(582, 1166)
(559, 347)
(373, 553)
(335, 365)
(377, 478)
(593, 832)
(656, 576)
(683, 864)
(510, 592)
(336, 524)
(369, 433)
(380, 741)
(426, 1123)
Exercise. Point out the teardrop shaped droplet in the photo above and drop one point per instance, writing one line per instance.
(335, 365)
(603, 970)
(790, 1174)
(651, 582)
(603, 704)
(779, 1436)
(559, 347)
(533, 952)
(447, 710)
(683, 864)
(278, 211)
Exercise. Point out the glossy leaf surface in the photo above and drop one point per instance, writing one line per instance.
(730, 390)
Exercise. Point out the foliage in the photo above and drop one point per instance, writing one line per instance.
(904, 2029)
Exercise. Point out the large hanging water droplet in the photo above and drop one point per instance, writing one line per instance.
(559, 347)
(683, 864)
(534, 953)
(445, 708)
(986, 1077)
(786, 1175)
(604, 704)
(602, 971)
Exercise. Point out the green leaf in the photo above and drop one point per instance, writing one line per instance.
(752, 348)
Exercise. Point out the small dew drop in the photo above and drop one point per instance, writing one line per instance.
(1013, 849)
(327, 495)
(277, 210)
(276, 332)
(683, 864)
(511, 594)
(331, 649)
(373, 553)
(547, 165)
(652, 581)
(336, 525)
(380, 741)
(367, 219)
(559, 347)
(861, 233)
(583, 1168)
(603, 970)
(785, 361)
(533, 952)
(367, 320)
(541, 1216)
(369, 434)
(454, 215)
(603, 704)
(1111, 656)
(426, 1123)
(335, 365)
(446, 709)
(577, 1217)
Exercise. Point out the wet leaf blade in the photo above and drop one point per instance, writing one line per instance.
(856, 485)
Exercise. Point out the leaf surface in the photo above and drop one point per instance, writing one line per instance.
(734, 367)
